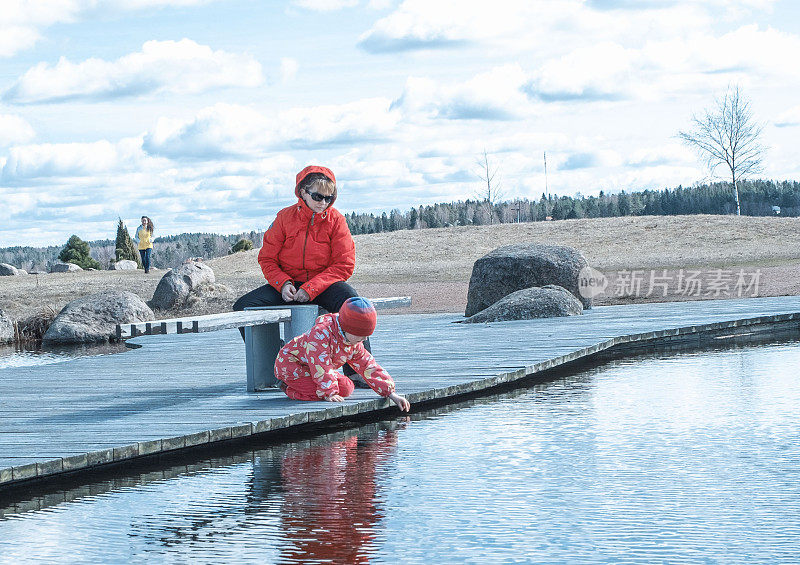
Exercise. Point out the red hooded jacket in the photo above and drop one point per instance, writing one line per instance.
(316, 250)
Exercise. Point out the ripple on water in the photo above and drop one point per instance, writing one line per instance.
(15, 357)
(690, 458)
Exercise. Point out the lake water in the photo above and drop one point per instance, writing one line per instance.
(17, 356)
(691, 458)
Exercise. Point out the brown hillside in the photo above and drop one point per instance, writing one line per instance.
(434, 265)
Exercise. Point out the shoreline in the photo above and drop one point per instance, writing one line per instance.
(247, 418)
(30, 294)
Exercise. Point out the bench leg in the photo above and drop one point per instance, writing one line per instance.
(262, 344)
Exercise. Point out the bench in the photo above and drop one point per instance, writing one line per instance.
(265, 330)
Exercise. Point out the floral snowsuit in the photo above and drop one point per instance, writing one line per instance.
(308, 364)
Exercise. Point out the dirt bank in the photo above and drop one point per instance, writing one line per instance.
(433, 265)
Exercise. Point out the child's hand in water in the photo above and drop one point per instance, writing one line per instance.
(403, 404)
(335, 398)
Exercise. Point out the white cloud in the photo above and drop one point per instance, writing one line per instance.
(22, 21)
(790, 117)
(656, 156)
(289, 68)
(178, 67)
(702, 62)
(217, 131)
(520, 25)
(589, 73)
(62, 160)
(380, 4)
(325, 5)
(14, 129)
(494, 95)
(16, 38)
(369, 119)
(224, 130)
(548, 28)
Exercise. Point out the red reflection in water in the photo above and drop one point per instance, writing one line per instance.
(330, 506)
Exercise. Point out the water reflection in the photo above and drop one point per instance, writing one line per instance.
(314, 500)
(330, 504)
(679, 459)
(31, 354)
(311, 501)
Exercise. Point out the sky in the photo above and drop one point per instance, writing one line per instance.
(199, 113)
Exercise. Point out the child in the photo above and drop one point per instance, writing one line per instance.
(306, 365)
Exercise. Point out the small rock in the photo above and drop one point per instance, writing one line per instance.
(549, 301)
(7, 270)
(65, 268)
(94, 318)
(124, 265)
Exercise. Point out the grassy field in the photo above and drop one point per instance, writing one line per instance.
(434, 265)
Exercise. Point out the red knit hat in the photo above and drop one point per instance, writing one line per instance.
(357, 316)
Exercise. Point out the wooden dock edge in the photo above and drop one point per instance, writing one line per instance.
(763, 328)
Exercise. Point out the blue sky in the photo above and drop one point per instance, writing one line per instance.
(199, 113)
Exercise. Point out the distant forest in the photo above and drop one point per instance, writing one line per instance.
(758, 198)
(168, 251)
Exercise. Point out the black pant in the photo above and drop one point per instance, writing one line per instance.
(145, 255)
(331, 299)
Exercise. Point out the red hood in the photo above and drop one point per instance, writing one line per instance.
(314, 169)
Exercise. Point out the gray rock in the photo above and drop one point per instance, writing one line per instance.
(549, 301)
(94, 318)
(124, 265)
(523, 265)
(6, 328)
(65, 268)
(7, 270)
(177, 284)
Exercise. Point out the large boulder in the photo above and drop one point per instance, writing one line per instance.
(7, 270)
(523, 265)
(124, 265)
(65, 268)
(177, 284)
(6, 328)
(94, 318)
(549, 301)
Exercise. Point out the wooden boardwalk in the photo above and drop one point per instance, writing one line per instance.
(180, 391)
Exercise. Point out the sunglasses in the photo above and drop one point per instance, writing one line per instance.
(317, 197)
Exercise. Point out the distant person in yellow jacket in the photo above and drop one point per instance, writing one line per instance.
(144, 235)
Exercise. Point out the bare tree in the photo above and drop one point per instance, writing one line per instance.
(104, 254)
(728, 135)
(491, 193)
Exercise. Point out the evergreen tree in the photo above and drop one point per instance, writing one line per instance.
(124, 247)
(77, 252)
(624, 204)
(413, 219)
(242, 245)
(542, 210)
(209, 245)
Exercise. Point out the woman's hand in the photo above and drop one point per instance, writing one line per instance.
(288, 292)
(403, 404)
(335, 398)
(301, 296)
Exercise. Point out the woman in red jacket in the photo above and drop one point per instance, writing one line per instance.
(308, 252)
